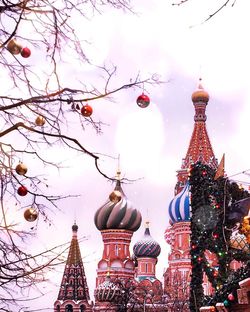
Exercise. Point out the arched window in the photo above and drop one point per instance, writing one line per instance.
(116, 250)
(57, 308)
(82, 308)
(69, 308)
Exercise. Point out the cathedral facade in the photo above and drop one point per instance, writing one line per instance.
(126, 282)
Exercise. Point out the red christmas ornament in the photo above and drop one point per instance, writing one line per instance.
(22, 190)
(86, 110)
(25, 52)
(230, 297)
(143, 100)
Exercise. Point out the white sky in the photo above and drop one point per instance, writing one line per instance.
(152, 141)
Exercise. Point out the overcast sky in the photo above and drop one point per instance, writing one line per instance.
(173, 42)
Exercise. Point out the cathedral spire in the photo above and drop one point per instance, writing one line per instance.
(200, 148)
(74, 292)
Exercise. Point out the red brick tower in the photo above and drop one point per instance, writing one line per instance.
(74, 293)
(117, 220)
(200, 148)
(176, 277)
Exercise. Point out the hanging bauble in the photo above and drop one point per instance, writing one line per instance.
(231, 297)
(239, 241)
(30, 214)
(22, 190)
(86, 110)
(13, 47)
(143, 100)
(40, 121)
(21, 169)
(25, 52)
(226, 303)
(115, 196)
(245, 228)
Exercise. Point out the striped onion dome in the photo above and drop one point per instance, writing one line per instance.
(117, 212)
(179, 207)
(107, 291)
(147, 246)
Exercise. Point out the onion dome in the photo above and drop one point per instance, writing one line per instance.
(147, 246)
(179, 207)
(117, 212)
(200, 95)
(74, 227)
(107, 291)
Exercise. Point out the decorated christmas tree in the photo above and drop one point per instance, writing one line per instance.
(218, 226)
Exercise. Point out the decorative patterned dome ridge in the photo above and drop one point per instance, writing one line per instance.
(200, 95)
(118, 213)
(107, 291)
(147, 246)
(179, 207)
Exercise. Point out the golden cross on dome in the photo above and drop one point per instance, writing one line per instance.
(118, 171)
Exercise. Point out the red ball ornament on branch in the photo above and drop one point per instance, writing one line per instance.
(143, 100)
(22, 190)
(30, 214)
(231, 297)
(21, 169)
(25, 52)
(86, 110)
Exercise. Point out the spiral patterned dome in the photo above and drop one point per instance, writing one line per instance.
(117, 212)
(147, 246)
(179, 207)
(107, 291)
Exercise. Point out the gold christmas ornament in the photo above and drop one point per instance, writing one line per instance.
(21, 169)
(245, 228)
(40, 121)
(239, 241)
(115, 196)
(13, 47)
(30, 214)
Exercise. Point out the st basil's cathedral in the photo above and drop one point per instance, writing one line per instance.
(125, 281)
